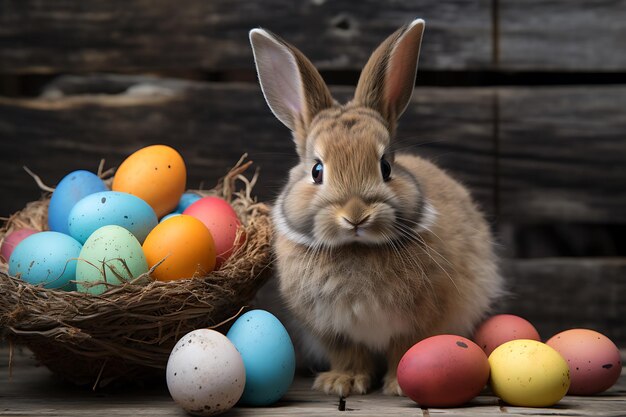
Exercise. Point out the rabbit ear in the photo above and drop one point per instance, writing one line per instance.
(293, 88)
(387, 80)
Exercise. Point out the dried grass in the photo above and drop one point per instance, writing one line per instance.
(127, 333)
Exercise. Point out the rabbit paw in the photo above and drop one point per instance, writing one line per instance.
(342, 383)
(391, 386)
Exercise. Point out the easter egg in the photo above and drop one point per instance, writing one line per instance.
(47, 258)
(268, 356)
(503, 328)
(186, 200)
(528, 373)
(71, 189)
(111, 208)
(156, 174)
(185, 246)
(220, 218)
(111, 256)
(11, 240)
(205, 373)
(593, 360)
(167, 216)
(443, 371)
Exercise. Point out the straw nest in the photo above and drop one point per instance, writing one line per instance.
(127, 333)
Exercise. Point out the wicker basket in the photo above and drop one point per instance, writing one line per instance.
(127, 333)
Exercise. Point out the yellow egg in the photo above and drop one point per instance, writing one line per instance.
(528, 373)
(156, 174)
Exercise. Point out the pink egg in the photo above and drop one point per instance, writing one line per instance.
(503, 328)
(593, 360)
(443, 371)
(11, 240)
(222, 221)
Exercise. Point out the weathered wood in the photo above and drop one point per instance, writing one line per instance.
(562, 154)
(33, 391)
(212, 125)
(134, 35)
(556, 294)
(549, 35)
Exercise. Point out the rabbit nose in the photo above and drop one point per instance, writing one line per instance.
(358, 222)
(354, 213)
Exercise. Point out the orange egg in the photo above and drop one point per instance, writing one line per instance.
(186, 246)
(156, 174)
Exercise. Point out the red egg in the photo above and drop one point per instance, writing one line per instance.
(222, 221)
(11, 240)
(593, 360)
(443, 371)
(503, 328)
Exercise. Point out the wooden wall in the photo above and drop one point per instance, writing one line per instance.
(523, 101)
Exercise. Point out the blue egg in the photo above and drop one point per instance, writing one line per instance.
(186, 200)
(72, 188)
(47, 258)
(167, 216)
(267, 354)
(111, 208)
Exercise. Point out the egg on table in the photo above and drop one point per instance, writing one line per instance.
(443, 371)
(71, 189)
(111, 256)
(503, 328)
(593, 359)
(205, 373)
(268, 356)
(48, 258)
(528, 373)
(156, 174)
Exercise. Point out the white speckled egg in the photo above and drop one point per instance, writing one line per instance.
(205, 373)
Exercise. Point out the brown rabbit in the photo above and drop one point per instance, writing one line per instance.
(375, 250)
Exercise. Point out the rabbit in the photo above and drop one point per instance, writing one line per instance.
(374, 249)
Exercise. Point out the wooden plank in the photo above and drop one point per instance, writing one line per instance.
(33, 391)
(211, 125)
(549, 35)
(562, 154)
(147, 35)
(557, 294)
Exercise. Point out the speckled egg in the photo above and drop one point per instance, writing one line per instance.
(205, 373)
(111, 208)
(47, 258)
(503, 328)
(528, 373)
(156, 174)
(593, 360)
(111, 255)
(268, 356)
(70, 190)
(443, 371)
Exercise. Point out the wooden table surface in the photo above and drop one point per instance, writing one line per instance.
(33, 391)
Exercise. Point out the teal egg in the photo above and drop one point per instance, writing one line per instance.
(111, 208)
(268, 357)
(112, 255)
(47, 258)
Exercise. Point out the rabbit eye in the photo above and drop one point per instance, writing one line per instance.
(318, 173)
(385, 169)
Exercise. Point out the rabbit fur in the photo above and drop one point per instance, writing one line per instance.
(375, 249)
